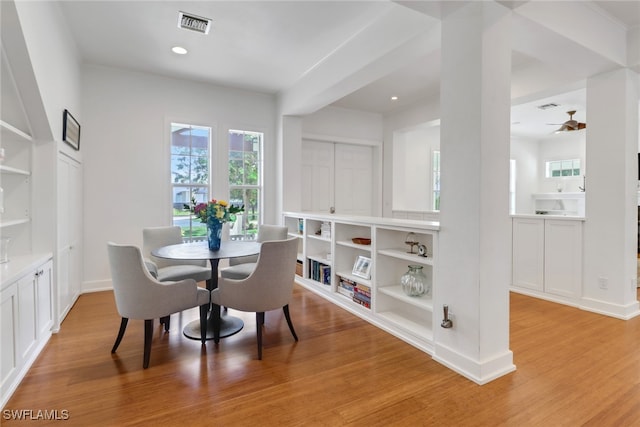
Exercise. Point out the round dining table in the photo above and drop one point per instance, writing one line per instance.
(229, 325)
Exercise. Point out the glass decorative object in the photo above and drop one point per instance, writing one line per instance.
(412, 241)
(414, 282)
(214, 233)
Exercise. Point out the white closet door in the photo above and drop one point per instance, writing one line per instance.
(353, 179)
(317, 176)
(338, 176)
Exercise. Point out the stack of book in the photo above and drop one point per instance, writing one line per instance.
(362, 295)
(345, 287)
(320, 272)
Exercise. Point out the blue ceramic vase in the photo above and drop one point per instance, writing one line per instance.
(214, 233)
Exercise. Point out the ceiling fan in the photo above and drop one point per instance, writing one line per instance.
(570, 124)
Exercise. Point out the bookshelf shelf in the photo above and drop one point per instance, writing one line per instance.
(379, 299)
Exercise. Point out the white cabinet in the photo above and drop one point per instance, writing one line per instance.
(8, 339)
(528, 253)
(26, 311)
(547, 257)
(563, 258)
(378, 298)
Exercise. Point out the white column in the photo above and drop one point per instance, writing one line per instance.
(610, 236)
(475, 237)
(291, 137)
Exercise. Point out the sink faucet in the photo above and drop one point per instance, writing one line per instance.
(584, 184)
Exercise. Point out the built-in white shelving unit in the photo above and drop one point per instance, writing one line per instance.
(379, 298)
(15, 173)
(27, 279)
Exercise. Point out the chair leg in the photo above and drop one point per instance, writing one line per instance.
(148, 335)
(288, 317)
(123, 326)
(204, 310)
(166, 321)
(259, 325)
(215, 312)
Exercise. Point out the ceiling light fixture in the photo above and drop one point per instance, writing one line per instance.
(394, 98)
(179, 50)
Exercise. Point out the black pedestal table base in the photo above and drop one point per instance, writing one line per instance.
(229, 325)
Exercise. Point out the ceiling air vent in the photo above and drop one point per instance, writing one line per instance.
(547, 106)
(194, 22)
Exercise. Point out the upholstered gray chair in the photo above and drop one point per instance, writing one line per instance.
(139, 295)
(169, 269)
(268, 287)
(240, 268)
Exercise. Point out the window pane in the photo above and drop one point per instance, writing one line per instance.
(247, 222)
(245, 172)
(251, 169)
(180, 166)
(236, 172)
(199, 170)
(181, 196)
(576, 167)
(190, 170)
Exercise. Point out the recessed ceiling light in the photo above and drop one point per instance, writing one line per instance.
(179, 50)
(394, 98)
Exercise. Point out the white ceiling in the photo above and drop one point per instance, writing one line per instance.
(269, 46)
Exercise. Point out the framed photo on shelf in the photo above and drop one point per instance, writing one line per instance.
(70, 130)
(362, 267)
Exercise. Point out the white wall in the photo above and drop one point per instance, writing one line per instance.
(525, 153)
(424, 112)
(531, 155)
(344, 123)
(566, 145)
(341, 125)
(126, 151)
(60, 89)
(412, 166)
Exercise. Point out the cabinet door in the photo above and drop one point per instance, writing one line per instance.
(69, 234)
(528, 253)
(27, 305)
(44, 289)
(563, 257)
(8, 336)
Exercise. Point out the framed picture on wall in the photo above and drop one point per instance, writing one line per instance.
(362, 267)
(70, 130)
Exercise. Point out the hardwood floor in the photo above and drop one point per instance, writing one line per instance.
(574, 368)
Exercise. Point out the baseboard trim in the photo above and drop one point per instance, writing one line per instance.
(480, 372)
(623, 312)
(97, 286)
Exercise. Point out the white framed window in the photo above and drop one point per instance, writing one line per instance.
(190, 175)
(435, 181)
(562, 168)
(245, 181)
